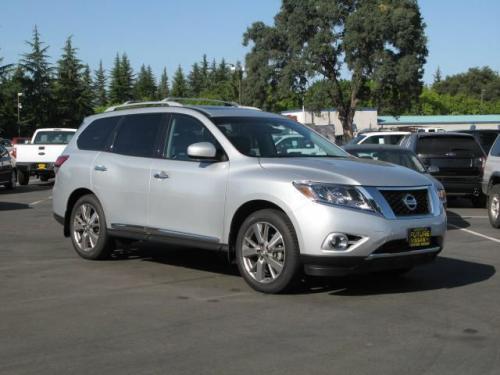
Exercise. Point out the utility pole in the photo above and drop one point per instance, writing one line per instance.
(482, 94)
(19, 107)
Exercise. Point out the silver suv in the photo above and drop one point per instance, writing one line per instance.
(212, 177)
(491, 183)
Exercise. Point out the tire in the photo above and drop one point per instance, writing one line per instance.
(44, 178)
(23, 177)
(88, 230)
(494, 206)
(266, 267)
(479, 201)
(13, 180)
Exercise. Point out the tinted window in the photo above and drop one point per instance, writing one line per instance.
(53, 137)
(495, 150)
(448, 144)
(138, 135)
(96, 135)
(184, 131)
(261, 137)
(375, 140)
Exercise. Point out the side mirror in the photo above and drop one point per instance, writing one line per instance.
(433, 169)
(202, 150)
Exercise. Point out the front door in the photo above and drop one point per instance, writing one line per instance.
(187, 196)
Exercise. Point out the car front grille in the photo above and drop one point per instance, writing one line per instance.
(407, 202)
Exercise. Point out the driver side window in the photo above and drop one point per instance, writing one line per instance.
(184, 131)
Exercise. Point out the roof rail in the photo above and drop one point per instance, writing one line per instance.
(133, 104)
(223, 103)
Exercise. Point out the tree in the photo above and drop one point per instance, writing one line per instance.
(86, 99)
(145, 86)
(195, 81)
(379, 43)
(37, 83)
(127, 78)
(121, 88)
(69, 87)
(437, 76)
(179, 84)
(100, 93)
(163, 89)
(205, 72)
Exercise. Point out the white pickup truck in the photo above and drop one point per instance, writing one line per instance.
(37, 158)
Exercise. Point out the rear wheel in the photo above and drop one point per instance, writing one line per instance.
(494, 206)
(23, 176)
(88, 229)
(13, 180)
(44, 178)
(479, 201)
(267, 251)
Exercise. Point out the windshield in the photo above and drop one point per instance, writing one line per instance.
(53, 137)
(405, 159)
(275, 138)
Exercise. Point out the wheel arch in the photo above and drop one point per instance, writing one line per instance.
(494, 180)
(242, 212)
(74, 196)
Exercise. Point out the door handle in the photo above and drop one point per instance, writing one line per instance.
(161, 175)
(100, 168)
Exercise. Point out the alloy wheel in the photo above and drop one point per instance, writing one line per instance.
(495, 206)
(86, 227)
(263, 252)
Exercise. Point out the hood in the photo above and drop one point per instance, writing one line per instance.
(347, 171)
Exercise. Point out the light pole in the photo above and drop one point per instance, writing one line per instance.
(19, 107)
(240, 70)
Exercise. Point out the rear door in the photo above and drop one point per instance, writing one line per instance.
(455, 156)
(121, 175)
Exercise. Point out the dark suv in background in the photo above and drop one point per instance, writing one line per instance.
(485, 137)
(455, 159)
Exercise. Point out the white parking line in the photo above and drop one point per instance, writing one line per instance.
(40, 201)
(475, 233)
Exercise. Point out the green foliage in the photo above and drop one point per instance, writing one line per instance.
(145, 86)
(100, 92)
(179, 84)
(376, 41)
(163, 89)
(121, 88)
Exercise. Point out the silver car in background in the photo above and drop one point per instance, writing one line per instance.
(212, 177)
(491, 183)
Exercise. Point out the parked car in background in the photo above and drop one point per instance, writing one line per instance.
(455, 159)
(491, 183)
(212, 177)
(7, 169)
(485, 137)
(430, 130)
(396, 155)
(378, 138)
(38, 157)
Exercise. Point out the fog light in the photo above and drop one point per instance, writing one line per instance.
(339, 241)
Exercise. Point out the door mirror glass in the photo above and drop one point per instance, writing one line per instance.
(433, 169)
(202, 150)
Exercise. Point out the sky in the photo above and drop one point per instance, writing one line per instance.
(168, 33)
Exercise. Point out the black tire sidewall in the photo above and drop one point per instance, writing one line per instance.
(102, 249)
(291, 268)
(23, 177)
(13, 180)
(495, 191)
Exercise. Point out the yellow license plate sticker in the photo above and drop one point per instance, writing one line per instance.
(419, 237)
(42, 166)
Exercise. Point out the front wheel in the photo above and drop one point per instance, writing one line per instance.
(267, 251)
(88, 229)
(494, 206)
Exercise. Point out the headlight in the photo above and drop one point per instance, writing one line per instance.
(442, 195)
(337, 195)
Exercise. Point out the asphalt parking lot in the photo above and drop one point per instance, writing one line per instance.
(185, 311)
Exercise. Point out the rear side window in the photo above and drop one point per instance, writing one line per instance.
(96, 135)
(495, 150)
(138, 135)
(440, 145)
(53, 137)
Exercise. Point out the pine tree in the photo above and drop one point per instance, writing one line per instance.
(163, 90)
(195, 81)
(115, 88)
(86, 99)
(68, 86)
(127, 78)
(100, 94)
(437, 76)
(205, 72)
(179, 84)
(212, 76)
(145, 87)
(37, 103)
